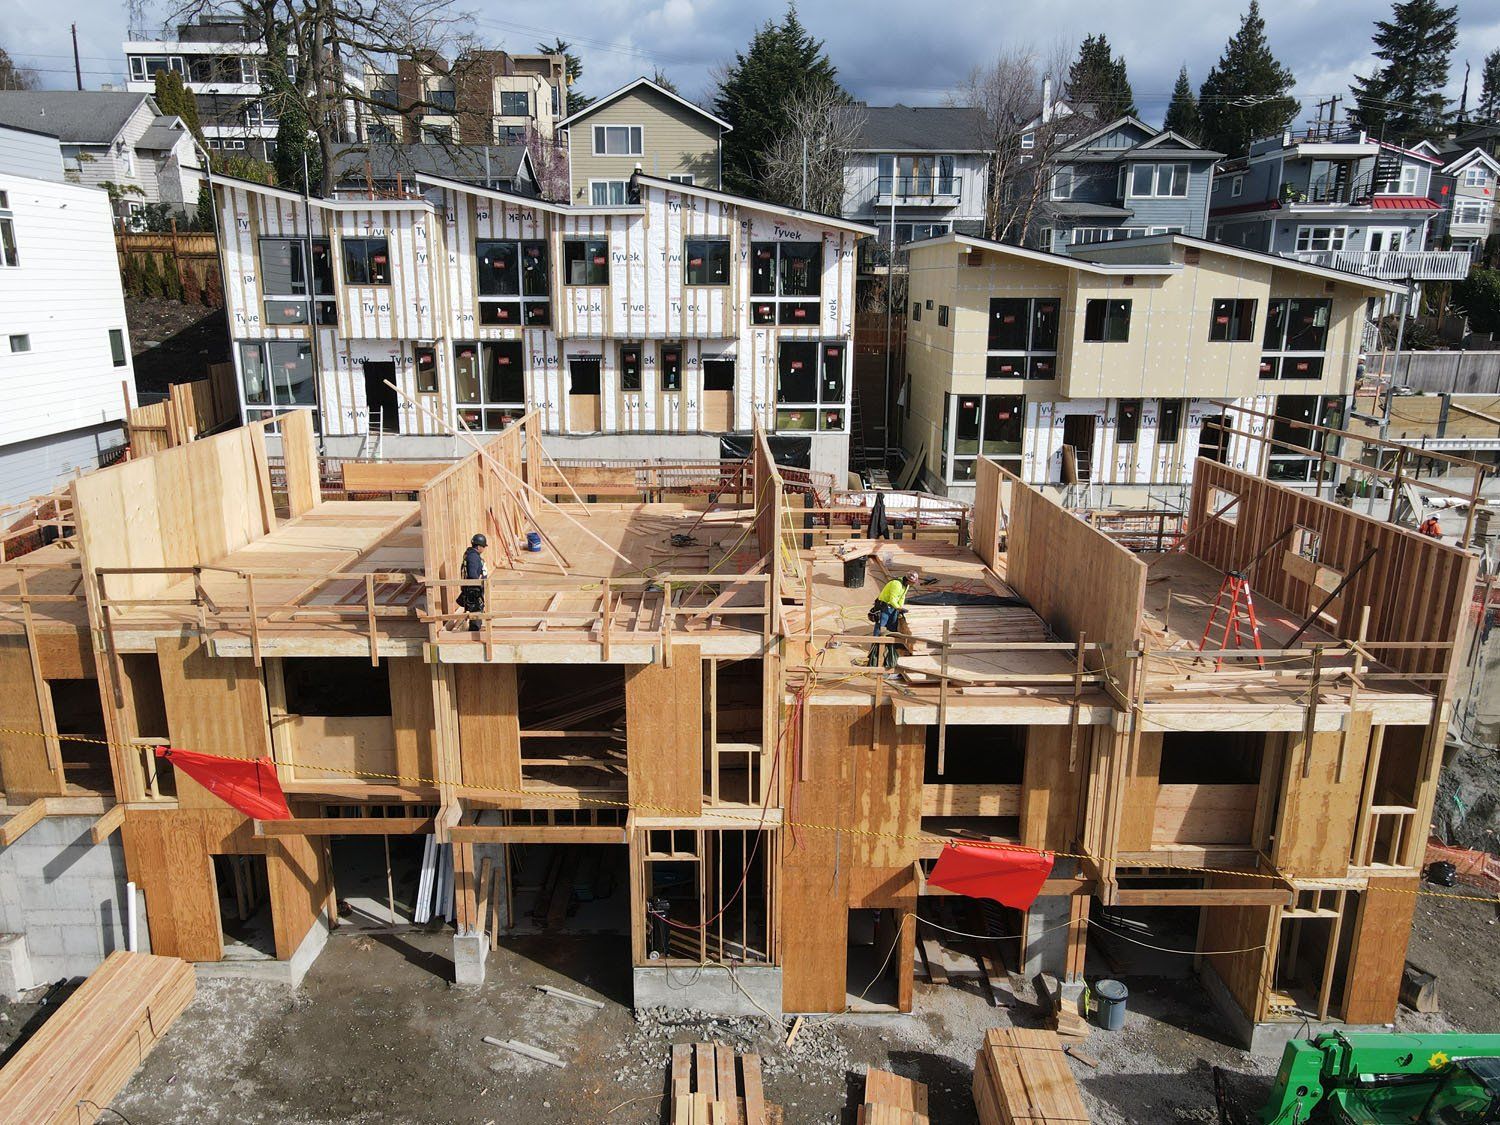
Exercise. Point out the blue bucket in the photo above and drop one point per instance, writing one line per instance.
(533, 541)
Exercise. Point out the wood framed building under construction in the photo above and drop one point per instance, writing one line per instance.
(664, 721)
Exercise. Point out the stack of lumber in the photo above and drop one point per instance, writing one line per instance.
(76, 1063)
(1021, 1077)
(971, 624)
(892, 1100)
(708, 1089)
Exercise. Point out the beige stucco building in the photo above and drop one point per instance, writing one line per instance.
(1122, 355)
(645, 127)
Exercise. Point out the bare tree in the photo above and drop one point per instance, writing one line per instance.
(1023, 132)
(549, 160)
(804, 166)
(13, 77)
(318, 54)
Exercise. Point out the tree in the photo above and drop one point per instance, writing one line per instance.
(13, 77)
(804, 166)
(317, 53)
(783, 63)
(174, 99)
(659, 76)
(549, 160)
(572, 68)
(1478, 295)
(1182, 111)
(203, 217)
(1246, 95)
(1489, 89)
(1403, 99)
(1098, 84)
(1007, 91)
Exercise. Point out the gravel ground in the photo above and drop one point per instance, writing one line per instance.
(377, 1034)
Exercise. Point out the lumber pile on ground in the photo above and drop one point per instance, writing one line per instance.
(708, 1088)
(77, 1061)
(892, 1100)
(1021, 1077)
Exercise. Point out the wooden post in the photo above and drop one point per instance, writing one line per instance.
(370, 619)
(254, 626)
(942, 746)
(606, 612)
(666, 624)
(1311, 721)
(1073, 711)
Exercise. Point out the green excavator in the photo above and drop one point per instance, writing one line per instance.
(1375, 1078)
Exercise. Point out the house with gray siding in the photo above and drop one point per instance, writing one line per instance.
(1337, 198)
(915, 172)
(1124, 180)
(119, 141)
(1467, 186)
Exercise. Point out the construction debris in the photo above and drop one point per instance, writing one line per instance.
(527, 1049)
(563, 994)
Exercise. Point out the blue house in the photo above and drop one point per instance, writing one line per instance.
(1124, 180)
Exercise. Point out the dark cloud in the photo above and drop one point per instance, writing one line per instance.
(886, 51)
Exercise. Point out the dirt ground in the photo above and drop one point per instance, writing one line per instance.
(173, 342)
(377, 1034)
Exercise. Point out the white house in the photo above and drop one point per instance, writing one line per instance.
(65, 371)
(111, 138)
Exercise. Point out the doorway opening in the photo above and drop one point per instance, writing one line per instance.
(872, 969)
(79, 712)
(377, 880)
(244, 907)
(385, 415)
(1078, 435)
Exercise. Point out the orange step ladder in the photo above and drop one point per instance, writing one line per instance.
(1236, 587)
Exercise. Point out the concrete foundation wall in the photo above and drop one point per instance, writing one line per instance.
(709, 988)
(66, 896)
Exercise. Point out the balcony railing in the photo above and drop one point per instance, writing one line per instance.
(1394, 265)
(916, 188)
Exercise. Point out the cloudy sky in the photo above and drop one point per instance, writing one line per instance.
(886, 51)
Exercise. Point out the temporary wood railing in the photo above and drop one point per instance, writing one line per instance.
(684, 604)
(1407, 459)
(30, 520)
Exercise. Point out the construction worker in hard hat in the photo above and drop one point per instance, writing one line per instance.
(889, 605)
(471, 597)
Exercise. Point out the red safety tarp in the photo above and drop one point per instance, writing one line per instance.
(249, 784)
(1011, 876)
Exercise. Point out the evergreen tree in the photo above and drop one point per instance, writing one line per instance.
(1403, 99)
(299, 153)
(174, 99)
(1182, 112)
(1489, 89)
(204, 217)
(782, 63)
(573, 68)
(659, 76)
(1245, 95)
(1097, 82)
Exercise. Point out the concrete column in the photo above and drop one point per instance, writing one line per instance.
(1047, 931)
(469, 951)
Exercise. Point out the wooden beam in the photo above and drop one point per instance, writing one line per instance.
(347, 826)
(1203, 896)
(25, 820)
(107, 825)
(538, 834)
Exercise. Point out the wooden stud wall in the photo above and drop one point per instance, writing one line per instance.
(1417, 588)
(215, 705)
(1050, 790)
(412, 716)
(489, 729)
(1230, 929)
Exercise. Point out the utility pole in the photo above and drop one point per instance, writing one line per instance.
(77, 66)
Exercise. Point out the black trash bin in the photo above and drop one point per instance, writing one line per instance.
(854, 571)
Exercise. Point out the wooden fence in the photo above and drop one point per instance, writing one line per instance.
(189, 411)
(192, 256)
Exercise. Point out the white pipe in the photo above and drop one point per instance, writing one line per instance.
(130, 930)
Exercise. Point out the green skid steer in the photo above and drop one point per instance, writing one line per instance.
(1374, 1078)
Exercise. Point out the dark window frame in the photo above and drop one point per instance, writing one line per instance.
(586, 252)
(630, 368)
(712, 255)
(1032, 354)
(1106, 320)
(1169, 408)
(1128, 420)
(1232, 320)
(362, 262)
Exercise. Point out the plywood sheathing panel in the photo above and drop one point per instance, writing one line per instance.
(1378, 953)
(186, 506)
(990, 511)
(664, 733)
(1320, 800)
(412, 716)
(1050, 789)
(216, 705)
(1231, 929)
(488, 725)
(24, 771)
(299, 453)
(1138, 804)
(297, 876)
(1076, 578)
